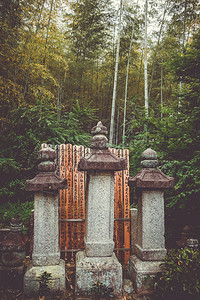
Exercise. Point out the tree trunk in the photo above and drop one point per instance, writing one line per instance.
(126, 87)
(115, 79)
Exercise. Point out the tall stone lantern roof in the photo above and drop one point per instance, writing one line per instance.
(46, 179)
(100, 157)
(150, 177)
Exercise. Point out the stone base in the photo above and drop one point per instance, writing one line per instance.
(143, 272)
(90, 270)
(150, 255)
(56, 285)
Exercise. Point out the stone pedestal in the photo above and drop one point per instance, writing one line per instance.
(46, 254)
(142, 272)
(98, 262)
(57, 283)
(90, 270)
(149, 248)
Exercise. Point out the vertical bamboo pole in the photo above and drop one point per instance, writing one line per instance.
(75, 195)
(115, 79)
(126, 208)
(81, 201)
(120, 208)
(116, 239)
(69, 198)
(62, 199)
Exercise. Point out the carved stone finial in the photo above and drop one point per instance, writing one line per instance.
(99, 129)
(149, 157)
(46, 180)
(16, 224)
(101, 158)
(99, 141)
(47, 157)
(151, 177)
(192, 243)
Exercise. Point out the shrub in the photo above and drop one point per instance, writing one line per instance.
(101, 291)
(181, 278)
(9, 210)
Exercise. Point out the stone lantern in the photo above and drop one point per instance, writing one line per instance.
(98, 262)
(12, 248)
(12, 255)
(149, 249)
(46, 253)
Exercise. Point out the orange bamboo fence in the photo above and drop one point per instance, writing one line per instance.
(72, 203)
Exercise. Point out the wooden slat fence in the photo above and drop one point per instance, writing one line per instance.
(72, 203)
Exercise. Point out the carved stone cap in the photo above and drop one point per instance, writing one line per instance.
(14, 241)
(150, 177)
(100, 158)
(46, 180)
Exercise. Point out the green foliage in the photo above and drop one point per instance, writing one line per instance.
(100, 290)
(181, 278)
(44, 280)
(9, 210)
(176, 140)
(30, 127)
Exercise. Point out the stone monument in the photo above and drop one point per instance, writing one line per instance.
(98, 262)
(12, 255)
(46, 253)
(149, 249)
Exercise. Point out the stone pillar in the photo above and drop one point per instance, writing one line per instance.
(133, 213)
(149, 249)
(98, 262)
(46, 253)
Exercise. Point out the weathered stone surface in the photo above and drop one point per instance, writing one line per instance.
(100, 157)
(46, 232)
(46, 253)
(150, 235)
(90, 270)
(46, 180)
(193, 243)
(128, 286)
(56, 285)
(12, 248)
(133, 214)
(151, 179)
(101, 160)
(97, 262)
(100, 215)
(142, 272)
(149, 249)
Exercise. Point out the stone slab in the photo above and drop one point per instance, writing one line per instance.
(150, 254)
(99, 249)
(90, 270)
(100, 215)
(56, 285)
(46, 231)
(142, 272)
(133, 213)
